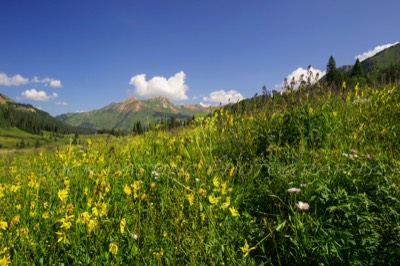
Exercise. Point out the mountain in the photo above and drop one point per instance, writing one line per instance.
(124, 115)
(30, 119)
(383, 59)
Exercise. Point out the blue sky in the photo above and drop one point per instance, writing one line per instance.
(68, 56)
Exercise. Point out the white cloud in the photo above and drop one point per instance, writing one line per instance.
(16, 80)
(223, 97)
(61, 103)
(298, 73)
(35, 95)
(80, 111)
(48, 81)
(373, 52)
(173, 88)
(204, 104)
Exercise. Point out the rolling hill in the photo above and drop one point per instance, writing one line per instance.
(124, 115)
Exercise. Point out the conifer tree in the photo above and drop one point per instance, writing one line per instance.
(357, 70)
(331, 71)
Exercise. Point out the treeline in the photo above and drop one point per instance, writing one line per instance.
(168, 123)
(363, 75)
(34, 121)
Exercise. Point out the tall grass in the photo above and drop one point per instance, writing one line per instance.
(312, 178)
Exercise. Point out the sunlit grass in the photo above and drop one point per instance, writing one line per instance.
(309, 179)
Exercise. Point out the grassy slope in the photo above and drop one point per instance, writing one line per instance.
(175, 194)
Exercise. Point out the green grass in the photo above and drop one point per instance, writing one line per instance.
(217, 193)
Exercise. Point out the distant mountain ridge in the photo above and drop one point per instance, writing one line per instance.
(30, 119)
(123, 115)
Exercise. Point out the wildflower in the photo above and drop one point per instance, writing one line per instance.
(127, 190)
(113, 248)
(66, 221)
(92, 224)
(143, 197)
(155, 174)
(232, 171)
(45, 215)
(84, 217)
(62, 237)
(216, 182)
(141, 171)
(226, 203)
(368, 156)
(190, 198)
(212, 199)
(45, 204)
(18, 207)
(3, 225)
(303, 185)
(5, 260)
(233, 211)
(69, 208)
(303, 206)
(152, 185)
(246, 249)
(202, 192)
(122, 224)
(197, 180)
(15, 220)
(293, 190)
(63, 194)
(135, 236)
(224, 186)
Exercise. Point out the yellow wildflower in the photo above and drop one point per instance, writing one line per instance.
(113, 248)
(246, 249)
(233, 211)
(84, 217)
(15, 220)
(122, 225)
(232, 171)
(66, 221)
(92, 224)
(45, 215)
(3, 225)
(63, 194)
(5, 260)
(226, 203)
(141, 171)
(202, 216)
(223, 188)
(190, 198)
(202, 192)
(127, 190)
(62, 237)
(18, 207)
(212, 199)
(216, 182)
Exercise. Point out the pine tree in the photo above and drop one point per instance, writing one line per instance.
(331, 71)
(357, 70)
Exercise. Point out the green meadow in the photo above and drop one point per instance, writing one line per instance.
(305, 178)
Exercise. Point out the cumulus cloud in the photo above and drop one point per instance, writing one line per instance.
(35, 95)
(54, 83)
(374, 51)
(204, 104)
(298, 74)
(16, 80)
(61, 103)
(173, 88)
(223, 97)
